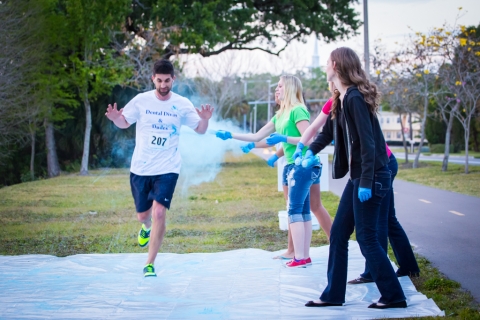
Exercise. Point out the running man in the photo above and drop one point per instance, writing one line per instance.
(156, 160)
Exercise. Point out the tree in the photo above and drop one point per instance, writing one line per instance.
(447, 105)
(212, 26)
(94, 67)
(446, 96)
(54, 95)
(396, 88)
(398, 93)
(221, 85)
(466, 66)
(459, 93)
(420, 61)
(144, 48)
(315, 85)
(18, 45)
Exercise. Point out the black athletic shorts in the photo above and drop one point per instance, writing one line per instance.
(145, 189)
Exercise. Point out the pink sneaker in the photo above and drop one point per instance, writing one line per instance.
(294, 263)
(308, 261)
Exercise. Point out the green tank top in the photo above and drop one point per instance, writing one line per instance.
(286, 124)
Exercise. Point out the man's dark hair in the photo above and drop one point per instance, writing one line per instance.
(163, 66)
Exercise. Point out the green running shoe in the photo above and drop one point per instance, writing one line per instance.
(149, 271)
(143, 236)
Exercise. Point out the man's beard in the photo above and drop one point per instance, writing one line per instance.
(163, 93)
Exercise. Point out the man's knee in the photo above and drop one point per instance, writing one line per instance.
(159, 212)
(144, 216)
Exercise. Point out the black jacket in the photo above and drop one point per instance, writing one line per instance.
(359, 146)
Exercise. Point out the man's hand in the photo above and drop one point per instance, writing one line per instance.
(112, 112)
(205, 113)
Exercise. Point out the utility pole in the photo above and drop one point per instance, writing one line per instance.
(365, 38)
(245, 97)
(269, 111)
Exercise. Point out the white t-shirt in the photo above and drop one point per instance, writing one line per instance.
(158, 131)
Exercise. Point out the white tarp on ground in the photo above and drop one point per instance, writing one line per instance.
(239, 284)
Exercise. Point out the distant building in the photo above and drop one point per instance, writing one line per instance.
(392, 129)
(315, 59)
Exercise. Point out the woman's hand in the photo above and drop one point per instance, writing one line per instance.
(271, 161)
(224, 135)
(298, 152)
(310, 160)
(364, 194)
(247, 147)
(275, 138)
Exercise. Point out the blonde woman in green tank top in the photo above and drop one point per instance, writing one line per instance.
(291, 121)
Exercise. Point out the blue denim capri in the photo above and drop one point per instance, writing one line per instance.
(300, 180)
(287, 168)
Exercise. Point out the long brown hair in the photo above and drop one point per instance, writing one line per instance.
(350, 73)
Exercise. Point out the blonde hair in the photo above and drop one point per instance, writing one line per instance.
(292, 93)
(349, 70)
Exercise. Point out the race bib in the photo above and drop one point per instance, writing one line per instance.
(158, 140)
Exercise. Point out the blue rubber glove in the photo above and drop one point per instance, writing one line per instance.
(275, 138)
(298, 152)
(364, 194)
(271, 161)
(310, 160)
(247, 147)
(224, 135)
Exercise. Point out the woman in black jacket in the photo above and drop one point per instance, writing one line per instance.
(360, 151)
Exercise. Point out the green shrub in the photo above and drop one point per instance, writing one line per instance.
(72, 166)
(440, 148)
(26, 177)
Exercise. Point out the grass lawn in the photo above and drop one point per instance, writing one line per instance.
(238, 210)
(72, 214)
(454, 179)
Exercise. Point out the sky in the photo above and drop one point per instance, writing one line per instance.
(391, 21)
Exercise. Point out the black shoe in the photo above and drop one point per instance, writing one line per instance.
(359, 280)
(322, 304)
(401, 304)
(410, 274)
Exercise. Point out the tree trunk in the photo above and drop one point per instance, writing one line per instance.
(86, 139)
(475, 135)
(53, 168)
(467, 136)
(424, 120)
(32, 154)
(411, 125)
(447, 143)
(411, 131)
(403, 138)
